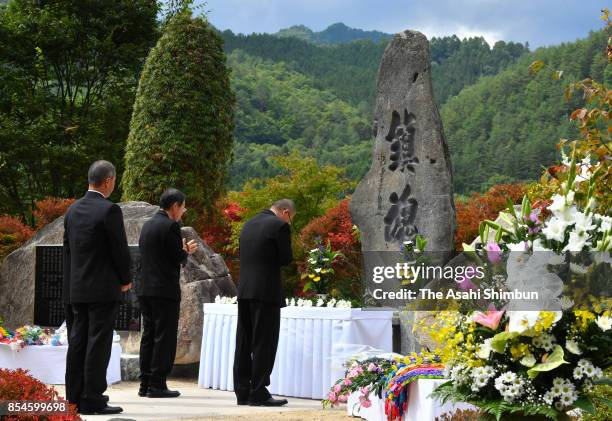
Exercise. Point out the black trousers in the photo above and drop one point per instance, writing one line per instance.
(256, 343)
(89, 349)
(160, 317)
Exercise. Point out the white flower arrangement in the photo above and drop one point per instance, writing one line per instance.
(293, 302)
(225, 300)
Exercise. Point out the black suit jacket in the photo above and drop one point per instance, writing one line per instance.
(96, 254)
(265, 246)
(161, 255)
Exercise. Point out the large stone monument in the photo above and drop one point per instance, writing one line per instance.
(203, 277)
(408, 189)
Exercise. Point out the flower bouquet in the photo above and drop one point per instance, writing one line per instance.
(5, 334)
(540, 363)
(386, 378)
(320, 270)
(528, 363)
(297, 302)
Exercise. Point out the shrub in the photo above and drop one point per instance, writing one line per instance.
(216, 231)
(183, 118)
(312, 187)
(336, 226)
(18, 385)
(13, 233)
(49, 209)
(479, 207)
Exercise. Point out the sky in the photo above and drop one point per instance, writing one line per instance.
(540, 22)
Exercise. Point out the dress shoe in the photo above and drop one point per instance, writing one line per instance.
(270, 402)
(142, 391)
(243, 402)
(107, 410)
(155, 392)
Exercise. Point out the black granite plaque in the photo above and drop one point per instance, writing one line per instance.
(48, 306)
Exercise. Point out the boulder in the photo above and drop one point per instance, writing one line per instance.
(408, 189)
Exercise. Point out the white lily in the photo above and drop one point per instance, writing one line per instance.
(577, 241)
(555, 229)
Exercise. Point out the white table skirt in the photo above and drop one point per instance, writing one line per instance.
(314, 344)
(420, 406)
(48, 363)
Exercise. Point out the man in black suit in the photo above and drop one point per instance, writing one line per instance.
(96, 272)
(162, 252)
(265, 246)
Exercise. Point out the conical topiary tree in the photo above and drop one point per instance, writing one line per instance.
(182, 123)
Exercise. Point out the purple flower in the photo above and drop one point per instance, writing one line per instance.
(533, 230)
(533, 217)
(493, 253)
(466, 284)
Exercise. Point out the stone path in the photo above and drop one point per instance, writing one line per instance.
(206, 404)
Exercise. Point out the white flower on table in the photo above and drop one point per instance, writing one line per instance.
(545, 341)
(577, 241)
(572, 346)
(520, 321)
(528, 360)
(555, 229)
(562, 207)
(606, 222)
(225, 300)
(604, 323)
(509, 385)
(583, 222)
(343, 304)
(484, 350)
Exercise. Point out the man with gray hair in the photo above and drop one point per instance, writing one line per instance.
(265, 246)
(96, 272)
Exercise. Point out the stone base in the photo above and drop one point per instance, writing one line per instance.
(130, 367)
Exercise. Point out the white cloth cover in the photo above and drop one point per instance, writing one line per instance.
(48, 363)
(420, 406)
(314, 344)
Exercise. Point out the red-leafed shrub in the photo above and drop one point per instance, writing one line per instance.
(479, 207)
(336, 226)
(18, 385)
(13, 233)
(216, 231)
(49, 209)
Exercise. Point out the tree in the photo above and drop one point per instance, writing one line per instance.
(313, 188)
(68, 73)
(181, 128)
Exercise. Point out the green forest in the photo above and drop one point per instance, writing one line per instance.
(67, 95)
(296, 95)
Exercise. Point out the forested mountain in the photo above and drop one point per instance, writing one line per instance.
(279, 110)
(293, 94)
(504, 127)
(349, 70)
(337, 33)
